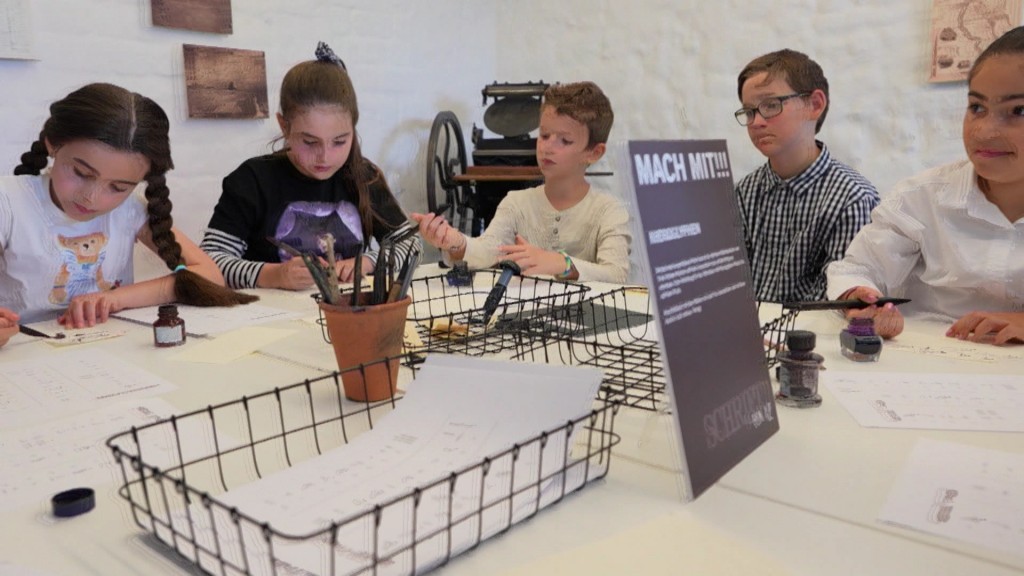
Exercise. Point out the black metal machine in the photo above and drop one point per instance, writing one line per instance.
(469, 195)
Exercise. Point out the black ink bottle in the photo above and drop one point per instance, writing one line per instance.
(798, 371)
(858, 341)
(460, 274)
(169, 328)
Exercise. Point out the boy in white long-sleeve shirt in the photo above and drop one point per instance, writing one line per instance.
(563, 228)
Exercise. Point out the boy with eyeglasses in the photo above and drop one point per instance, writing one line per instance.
(802, 208)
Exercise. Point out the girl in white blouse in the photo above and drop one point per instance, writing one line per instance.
(952, 238)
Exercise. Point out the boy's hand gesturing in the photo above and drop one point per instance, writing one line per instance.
(533, 260)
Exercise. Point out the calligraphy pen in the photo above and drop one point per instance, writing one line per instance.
(319, 274)
(284, 246)
(33, 332)
(853, 304)
(357, 278)
(508, 270)
(384, 272)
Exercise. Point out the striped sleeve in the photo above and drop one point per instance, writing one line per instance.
(400, 253)
(226, 250)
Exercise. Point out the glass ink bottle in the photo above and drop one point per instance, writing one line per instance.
(460, 274)
(169, 328)
(858, 341)
(798, 371)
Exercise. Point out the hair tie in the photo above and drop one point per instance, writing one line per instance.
(325, 54)
(179, 268)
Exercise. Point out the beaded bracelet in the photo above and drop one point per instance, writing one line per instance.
(568, 264)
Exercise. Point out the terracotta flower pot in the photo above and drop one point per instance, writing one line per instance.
(365, 335)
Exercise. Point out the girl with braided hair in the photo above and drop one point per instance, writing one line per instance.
(67, 230)
(317, 183)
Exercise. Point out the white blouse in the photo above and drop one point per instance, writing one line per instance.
(938, 240)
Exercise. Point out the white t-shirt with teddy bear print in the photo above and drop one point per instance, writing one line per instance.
(47, 258)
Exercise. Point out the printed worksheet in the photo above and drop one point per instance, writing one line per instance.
(454, 415)
(210, 321)
(41, 389)
(961, 492)
(933, 401)
(42, 460)
(925, 337)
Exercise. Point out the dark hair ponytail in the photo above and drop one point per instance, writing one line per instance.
(325, 82)
(130, 122)
(1012, 42)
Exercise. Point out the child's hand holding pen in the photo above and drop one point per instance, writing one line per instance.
(437, 232)
(346, 269)
(291, 274)
(888, 320)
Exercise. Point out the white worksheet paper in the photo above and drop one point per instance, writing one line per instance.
(40, 461)
(931, 401)
(210, 321)
(41, 389)
(961, 492)
(928, 338)
(458, 411)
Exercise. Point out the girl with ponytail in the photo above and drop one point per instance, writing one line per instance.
(68, 228)
(317, 182)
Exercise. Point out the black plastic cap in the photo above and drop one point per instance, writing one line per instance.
(801, 340)
(73, 502)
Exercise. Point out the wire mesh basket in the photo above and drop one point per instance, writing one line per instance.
(614, 331)
(176, 475)
(450, 317)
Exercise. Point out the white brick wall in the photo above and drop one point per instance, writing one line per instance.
(408, 61)
(669, 67)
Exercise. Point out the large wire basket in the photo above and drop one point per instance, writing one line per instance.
(176, 474)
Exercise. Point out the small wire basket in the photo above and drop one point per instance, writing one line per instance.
(175, 474)
(614, 331)
(450, 317)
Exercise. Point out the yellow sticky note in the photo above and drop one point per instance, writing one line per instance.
(230, 346)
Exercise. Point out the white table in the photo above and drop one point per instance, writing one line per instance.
(804, 503)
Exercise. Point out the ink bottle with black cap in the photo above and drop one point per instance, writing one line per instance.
(858, 341)
(460, 274)
(169, 328)
(798, 371)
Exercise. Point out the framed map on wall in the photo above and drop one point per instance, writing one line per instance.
(225, 82)
(199, 15)
(961, 29)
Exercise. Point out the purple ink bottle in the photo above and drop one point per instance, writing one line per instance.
(858, 341)
(798, 371)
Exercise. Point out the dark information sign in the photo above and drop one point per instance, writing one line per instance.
(700, 280)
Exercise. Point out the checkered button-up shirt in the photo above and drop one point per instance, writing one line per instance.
(794, 228)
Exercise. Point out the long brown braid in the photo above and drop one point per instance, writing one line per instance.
(130, 122)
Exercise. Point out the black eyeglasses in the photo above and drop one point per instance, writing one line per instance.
(768, 108)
